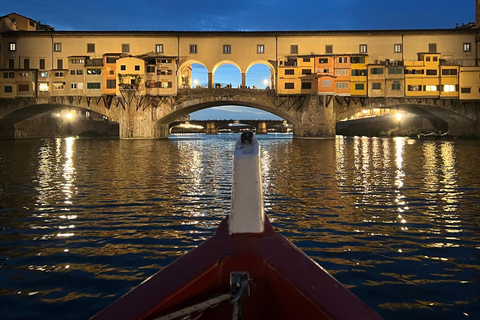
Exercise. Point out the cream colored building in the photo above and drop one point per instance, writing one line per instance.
(50, 52)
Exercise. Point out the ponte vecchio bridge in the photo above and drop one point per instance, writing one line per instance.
(143, 79)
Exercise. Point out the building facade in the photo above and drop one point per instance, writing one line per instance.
(381, 63)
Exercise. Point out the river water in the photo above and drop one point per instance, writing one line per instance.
(397, 221)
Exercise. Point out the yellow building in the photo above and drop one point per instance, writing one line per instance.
(131, 75)
(422, 77)
(469, 83)
(161, 75)
(110, 73)
(358, 80)
(449, 81)
(297, 75)
(289, 56)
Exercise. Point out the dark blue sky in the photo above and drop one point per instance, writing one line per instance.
(186, 15)
(244, 14)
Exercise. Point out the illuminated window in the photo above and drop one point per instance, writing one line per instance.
(43, 87)
(260, 48)
(449, 88)
(57, 47)
(431, 88)
(159, 48)
(125, 48)
(467, 47)
(414, 88)
(227, 49)
(12, 46)
(363, 48)
(397, 48)
(94, 71)
(44, 74)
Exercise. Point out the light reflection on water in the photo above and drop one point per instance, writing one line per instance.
(83, 221)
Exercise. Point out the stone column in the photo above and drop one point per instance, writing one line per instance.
(244, 80)
(262, 128)
(317, 119)
(137, 122)
(211, 128)
(210, 80)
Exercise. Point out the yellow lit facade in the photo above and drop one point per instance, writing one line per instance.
(422, 76)
(415, 63)
(469, 83)
(358, 79)
(131, 74)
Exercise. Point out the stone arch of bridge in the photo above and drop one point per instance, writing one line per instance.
(37, 109)
(189, 107)
(441, 119)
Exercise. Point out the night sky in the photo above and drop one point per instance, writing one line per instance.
(244, 15)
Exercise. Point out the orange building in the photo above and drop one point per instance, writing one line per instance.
(110, 73)
(324, 69)
(342, 75)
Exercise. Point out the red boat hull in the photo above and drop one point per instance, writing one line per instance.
(287, 284)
